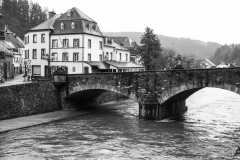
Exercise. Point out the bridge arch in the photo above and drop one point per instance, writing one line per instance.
(183, 91)
(87, 92)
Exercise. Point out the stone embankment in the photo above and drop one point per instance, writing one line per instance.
(28, 99)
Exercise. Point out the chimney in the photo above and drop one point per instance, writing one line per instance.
(51, 14)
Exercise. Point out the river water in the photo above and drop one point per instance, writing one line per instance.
(209, 130)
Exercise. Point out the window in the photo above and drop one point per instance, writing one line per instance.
(75, 43)
(73, 25)
(106, 56)
(54, 43)
(27, 39)
(126, 57)
(65, 42)
(100, 58)
(54, 57)
(65, 57)
(89, 57)
(74, 69)
(43, 52)
(26, 54)
(89, 43)
(111, 56)
(75, 56)
(62, 25)
(34, 54)
(100, 45)
(120, 56)
(43, 38)
(34, 38)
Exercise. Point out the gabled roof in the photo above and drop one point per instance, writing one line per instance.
(124, 65)
(46, 24)
(222, 65)
(115, 45)
(127, 42)
(75, 14)
(210, 62)
(14, 40)
(4, 48)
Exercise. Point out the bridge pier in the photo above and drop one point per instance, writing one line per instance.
(150, 108)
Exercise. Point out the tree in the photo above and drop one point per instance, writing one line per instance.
(150, 49)
(167, 59)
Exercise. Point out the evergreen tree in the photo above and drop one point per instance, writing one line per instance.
(150, 49)
(20, 17)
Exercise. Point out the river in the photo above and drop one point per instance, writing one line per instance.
(209, 130)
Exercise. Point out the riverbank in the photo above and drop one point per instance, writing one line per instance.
(28, 121)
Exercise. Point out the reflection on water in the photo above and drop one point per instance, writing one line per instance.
(209, 130)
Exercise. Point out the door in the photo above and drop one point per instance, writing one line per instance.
(86, 70)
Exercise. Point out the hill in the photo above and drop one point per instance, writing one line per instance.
(227, 53)
(182, 45)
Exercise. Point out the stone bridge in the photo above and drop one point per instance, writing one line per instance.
(160, 94)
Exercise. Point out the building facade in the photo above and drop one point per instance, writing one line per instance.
(72, 41)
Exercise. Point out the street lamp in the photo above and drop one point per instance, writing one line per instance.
(25, 72)
(48, 58)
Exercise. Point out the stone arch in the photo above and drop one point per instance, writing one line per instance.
(185, 90)
(90, 91)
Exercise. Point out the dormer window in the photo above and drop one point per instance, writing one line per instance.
(95, 28)
(88, 26)
(62, 25)
(73, 25)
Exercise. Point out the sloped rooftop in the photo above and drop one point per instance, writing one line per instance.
(75, 14)
(210, 62)
(126, 41)
(98, 64)
(124, 64)
(82, 23)
(16, 42)
(46, 24)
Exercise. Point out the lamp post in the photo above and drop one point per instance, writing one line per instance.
(48, 58)
(25, 72)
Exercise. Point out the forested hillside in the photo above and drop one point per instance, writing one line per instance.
(227, 53)
(21, 15)
(182, 45)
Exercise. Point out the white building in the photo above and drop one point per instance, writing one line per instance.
(74, 42)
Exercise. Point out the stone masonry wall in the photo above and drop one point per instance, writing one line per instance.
(28, 99)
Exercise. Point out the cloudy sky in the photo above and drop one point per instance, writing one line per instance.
(206, 20)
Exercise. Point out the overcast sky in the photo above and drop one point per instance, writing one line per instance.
(206, 20)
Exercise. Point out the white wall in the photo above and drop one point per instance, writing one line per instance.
(95, 50)
(39, 45)
(123, 57)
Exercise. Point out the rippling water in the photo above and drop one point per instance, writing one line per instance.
(209, 130)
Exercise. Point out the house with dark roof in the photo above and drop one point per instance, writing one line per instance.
(206, 63)
(11, 49)
(72, 41)
(129, 44)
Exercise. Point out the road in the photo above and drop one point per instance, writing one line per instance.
(18, 79)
